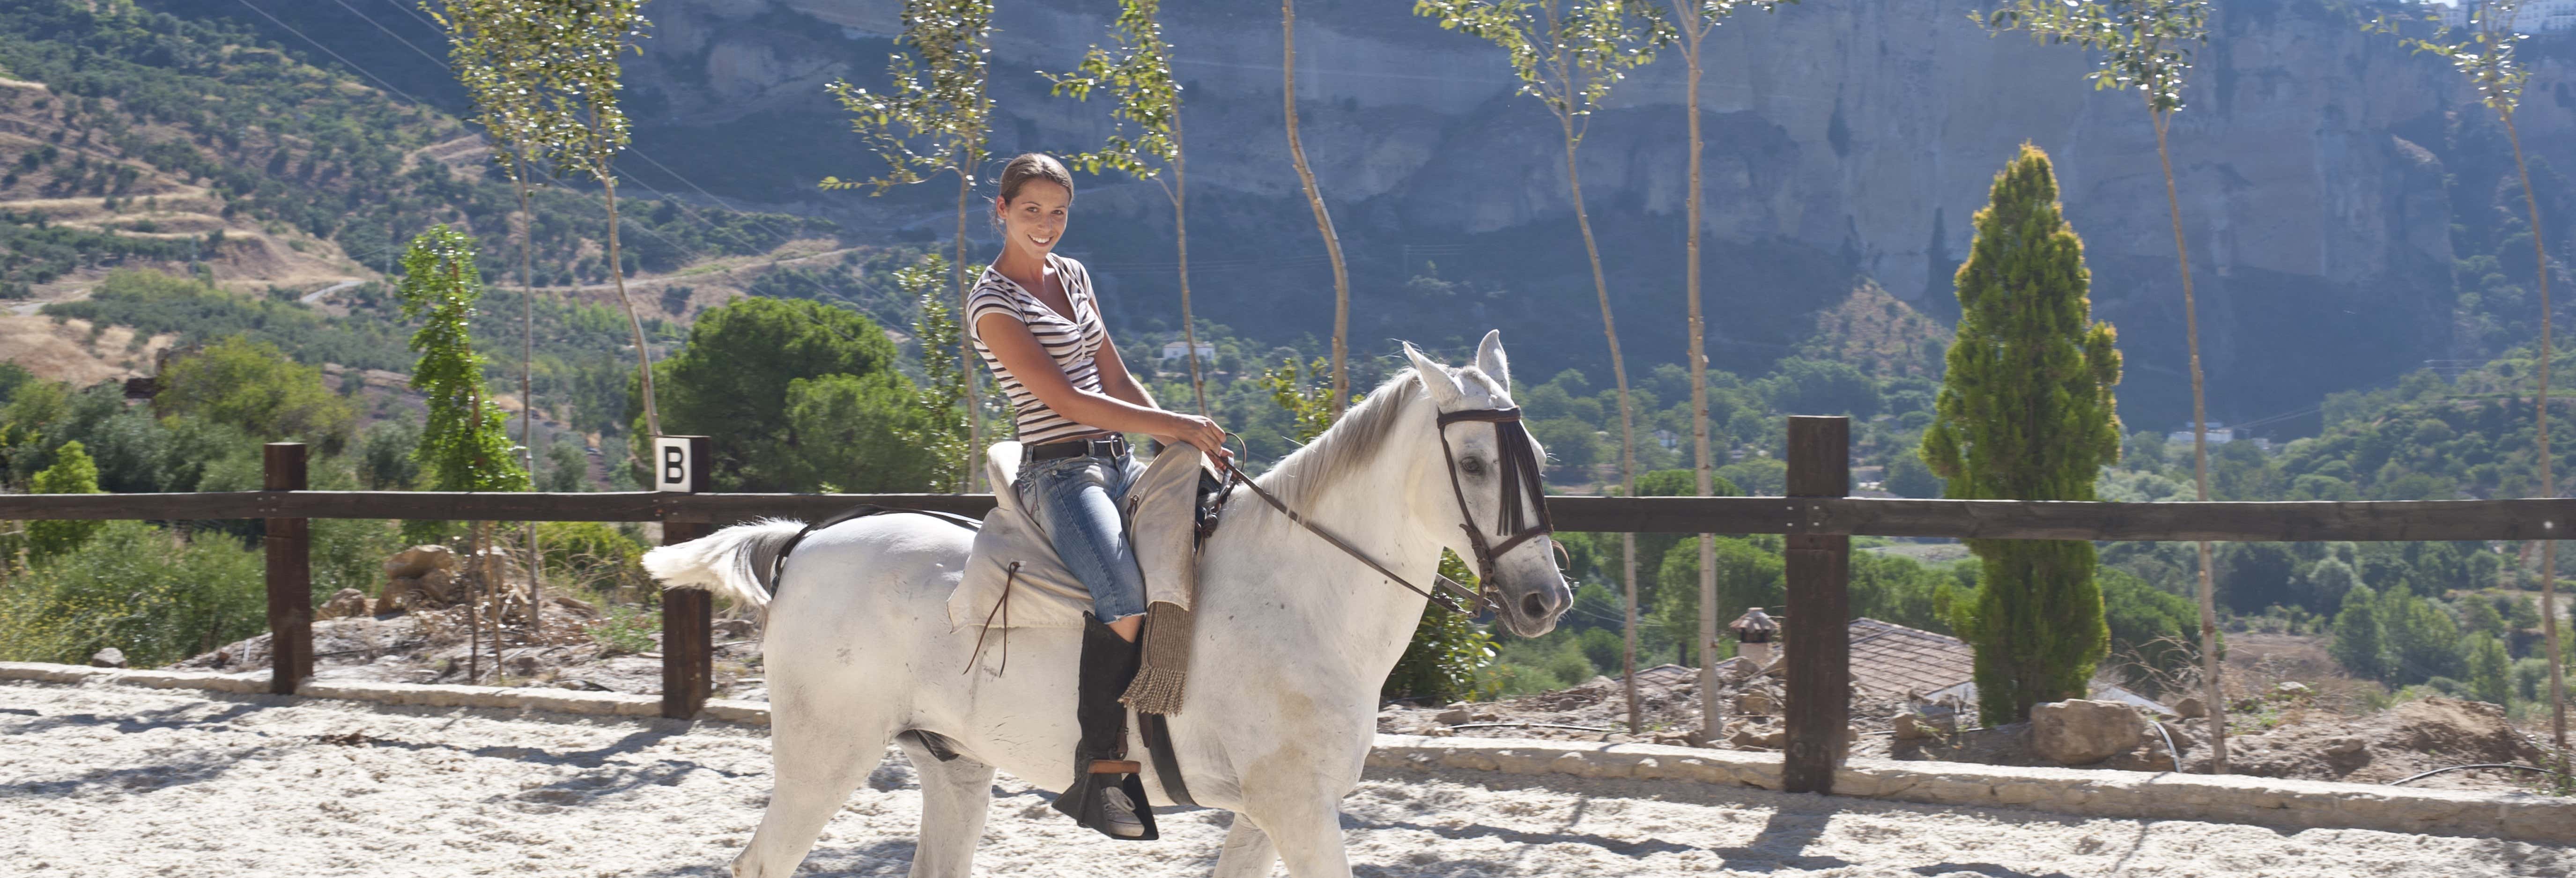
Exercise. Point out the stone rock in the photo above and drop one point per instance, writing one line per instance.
(392, 598)
(2345, 746)
(419, 560)
(110, 657)
(1913, 727)
(344, 603)
(439, 587)
(574, 604)
(2191, 708)
(1454, 716)
(2079, 732)
(2292, 689)
(1754, 702)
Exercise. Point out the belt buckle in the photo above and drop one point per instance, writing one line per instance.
(1106, 448)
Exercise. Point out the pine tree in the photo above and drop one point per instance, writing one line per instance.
(2026, 413)
(73, 472)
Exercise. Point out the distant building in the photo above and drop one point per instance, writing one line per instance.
(1176, 350)
(2536, 16)
(2219, 434)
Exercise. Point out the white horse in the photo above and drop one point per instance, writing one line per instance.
(1293, 640)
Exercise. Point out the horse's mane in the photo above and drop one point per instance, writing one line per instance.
(1353, 442)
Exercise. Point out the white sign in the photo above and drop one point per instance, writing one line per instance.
(671, 464)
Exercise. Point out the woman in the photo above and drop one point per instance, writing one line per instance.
(1036, 322)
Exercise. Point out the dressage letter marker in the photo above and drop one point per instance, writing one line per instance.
(673, 465)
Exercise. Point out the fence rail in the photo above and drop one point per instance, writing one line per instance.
(1818, 519)
(2302, 521)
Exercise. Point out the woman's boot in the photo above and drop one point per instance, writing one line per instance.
(1108, 665)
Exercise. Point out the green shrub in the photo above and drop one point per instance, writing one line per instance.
(149, 592)
(1448, 651)
(627, 629)
(592, 555)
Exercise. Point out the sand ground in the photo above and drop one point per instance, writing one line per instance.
(113, 781)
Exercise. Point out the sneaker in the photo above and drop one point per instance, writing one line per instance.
(1120, 814)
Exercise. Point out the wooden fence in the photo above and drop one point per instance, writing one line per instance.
(1817, 517)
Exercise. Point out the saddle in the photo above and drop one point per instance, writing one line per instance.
(1013, 579)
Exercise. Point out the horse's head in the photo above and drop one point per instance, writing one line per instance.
(1492, 479)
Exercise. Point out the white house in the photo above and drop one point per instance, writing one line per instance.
(1175, 350)
(2219, 434)
(2535, 16)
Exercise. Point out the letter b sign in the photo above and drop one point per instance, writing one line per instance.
(675, 463)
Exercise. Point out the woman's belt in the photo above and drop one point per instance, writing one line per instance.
(1109, 447)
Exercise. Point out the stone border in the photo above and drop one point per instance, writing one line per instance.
(2293, 804)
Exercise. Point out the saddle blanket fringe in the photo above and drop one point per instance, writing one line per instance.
(1162, 679)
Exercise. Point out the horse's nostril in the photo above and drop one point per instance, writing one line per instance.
(1534, 606)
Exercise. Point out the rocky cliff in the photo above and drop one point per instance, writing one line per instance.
(1847, 140)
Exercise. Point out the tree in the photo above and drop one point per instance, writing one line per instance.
(1907, 476)
(72, 473)
(866, 433)
(733, 382)
(1341, 391)
(935, 121)
(579, 75)
(2026, 413)
(465, 443)
(1568, 54)
(494, 49)
(2360, 642)
(2486, 57)
(1139, 72)
(947, 386)
(2146, 45)
(2490, 669)
(1693, 19)
(257, 388)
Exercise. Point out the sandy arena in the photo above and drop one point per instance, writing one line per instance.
(113, 781)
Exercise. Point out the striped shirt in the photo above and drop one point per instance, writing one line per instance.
(1071, 343)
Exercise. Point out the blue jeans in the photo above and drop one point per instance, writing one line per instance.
(1079, 500)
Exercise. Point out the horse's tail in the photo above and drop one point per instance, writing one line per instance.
(734, 563)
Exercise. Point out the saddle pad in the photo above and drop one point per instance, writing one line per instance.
(1043, 593)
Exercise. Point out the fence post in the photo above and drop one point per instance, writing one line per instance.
(290, 575)
(1817, 630)
(688, 614)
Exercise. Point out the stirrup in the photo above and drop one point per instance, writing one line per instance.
(1118, 814)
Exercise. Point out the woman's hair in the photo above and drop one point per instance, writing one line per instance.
(1031, 166)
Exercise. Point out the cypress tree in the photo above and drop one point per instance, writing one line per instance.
(2026, 413)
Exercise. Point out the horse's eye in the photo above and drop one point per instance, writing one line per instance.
(1474, 466)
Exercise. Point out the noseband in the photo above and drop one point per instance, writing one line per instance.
(1520, 483)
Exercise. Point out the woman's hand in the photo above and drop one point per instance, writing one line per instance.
(1203, 433)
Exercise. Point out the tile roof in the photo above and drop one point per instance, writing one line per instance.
(1892, 660)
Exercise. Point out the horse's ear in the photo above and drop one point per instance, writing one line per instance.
(1489, 360)
(1435, 377)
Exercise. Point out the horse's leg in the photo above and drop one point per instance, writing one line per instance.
(955, 795)
(819, 753)
(1247, 853)
(1304, 821)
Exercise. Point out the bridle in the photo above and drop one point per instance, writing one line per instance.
(1519, 466)
(1520, 483)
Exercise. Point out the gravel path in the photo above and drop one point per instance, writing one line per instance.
(115, 781)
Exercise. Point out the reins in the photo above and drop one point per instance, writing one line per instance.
(1519, 474)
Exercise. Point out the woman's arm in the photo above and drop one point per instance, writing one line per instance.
(1019, 351)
